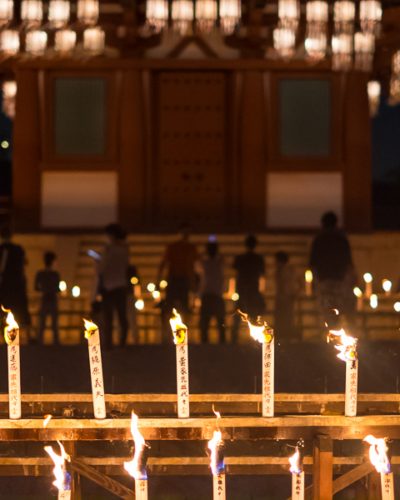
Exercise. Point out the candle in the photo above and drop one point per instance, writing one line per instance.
(63, 479)
(368, 284)
(358, 293)
(309, 280)
(11, 335)
(263, 334)
(297, 474)
(96, 368)
(217, 463)
(179, 331)
(373, 301)
(387, 286)
(348, 352)
(137, 467)
(379, 459)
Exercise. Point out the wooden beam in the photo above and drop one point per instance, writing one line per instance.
(102, 480)
(322, 468)
(76, 494)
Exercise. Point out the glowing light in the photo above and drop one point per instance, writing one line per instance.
(294, 461)
(136, 467)
(378, 454)
(374, 95)
(32, 11)
(134, 280)
(90, 328)
(163, 284)
(62, 286)
(182, 15)
(179, 330)
(284, 42)
(94, 40)
(347, 346)
(261, 333)
(9, 41)
(235, 296)
(367, 277)
(387, 285)
(47, 419)
(139, 304)
(76, 291)
(6, 11)
(10, 331)
(59, 12)
(157, 13)
(206, 14)
(63, 479)
(156, 294)
(151, 287)
(88, 11)
(4, 144)
(216, 458)
(373, 301)
(397, 306)
(357, 292)
(309, 276)
(230, 12)
(65, 40)
(36, 42)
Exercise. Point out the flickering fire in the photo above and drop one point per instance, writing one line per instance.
(179, 330)
(10, 331)
(294, 461)
(47, 419)
(63, 479)
(378, 454)
(262, 333)
(347, 345)
(136, 467)
(216, 458)
(90, 328)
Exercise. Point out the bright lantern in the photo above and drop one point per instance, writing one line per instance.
(289, 13)
(9, 94)
(9, 41)
(364, 47)
(6, 11)
(317, 11)
(284, 42)
(59, 11)
(316, 41)
(374, 94)
(230, 12)
(36, 42)
(32, 11)
(94, 40)
(65, 40)
(344, 11)
(88, 11)
(182, 15)
(157, 13)
(206, 14)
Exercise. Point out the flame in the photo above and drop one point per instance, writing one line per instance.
(309, 276)
(347, 346)
(378, 455)
(10, 331)
(260, 333)
(47, 419)
(134, 467)
(216, 459)
(294, 461)
(63, 479)
(179, 330)
(90, 328)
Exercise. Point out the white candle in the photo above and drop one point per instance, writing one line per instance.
(11, 335)
(309, 280)
(96, 369)
(351, 387)
(268, 361)
(387, 286)
(141, 492)
(298, 486)
(64, 495)
(368, 284)
(179, 331)
(219, 489)
(387, 486)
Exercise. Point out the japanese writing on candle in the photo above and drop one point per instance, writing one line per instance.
(353, 386)
(297, 491)
(183, 383)
(96, 369)
(268, 388)
(64, 495)
(220, 488)
(14, 380)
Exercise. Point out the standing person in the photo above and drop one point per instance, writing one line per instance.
(288, 286)
(211, 289)
(178, 260)
(332, 266)
(47, 281)
(13, 294)
(113, 270)
(249, 268)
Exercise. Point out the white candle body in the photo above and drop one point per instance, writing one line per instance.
(14, 378)
(96, 373)
(368, 289)
(298, 486)
(182, 380)
(351, 388)
(64, 495)
(219, 489)
(268, 361)
(141, 492)
(387, 486)
(359, 303)
(308, 288)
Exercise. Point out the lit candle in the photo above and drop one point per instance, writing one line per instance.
(358, 293)
(217, 463)
(263, 334)
(309, 280)
(379, 459)
(179, 331)
(63, 288)
(373, 301)
(297, 473)
(96, 368)
(348, 352)
(137, 467)
(11, 335)
(63, 479)
(231, 287)
(368, 284)
(387, 286)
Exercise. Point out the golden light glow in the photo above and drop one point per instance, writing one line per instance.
(134, 280)
(163, 284)
(139, 304)
(179, 330)
(373, 301)
(134, 466)
(294, 461)
(156, 294)
(11, 330)
(347, 346)
(90, 328)
(235, 296)
(367, 277)
(213, 445)
(387, 285)
(62, 286)
(261, 333)
(357, 292)
(378, 454)
(47, 419)
(397, 306)
(76, 291)
(59, 469)
(309, 276)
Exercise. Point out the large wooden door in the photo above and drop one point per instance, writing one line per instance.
(190, 162)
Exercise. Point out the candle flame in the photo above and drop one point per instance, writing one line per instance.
(309, 276)
(216, 459)
(47, 419)
(136, 467)
(63, 479)
(10, 331)
(90, 328)
(179, 330)
(262, 333)
(378, 454)
(217, 414)
(294, 461)
(347, 346)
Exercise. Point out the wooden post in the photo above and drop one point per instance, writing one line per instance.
(70, 448)
(322, 468)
